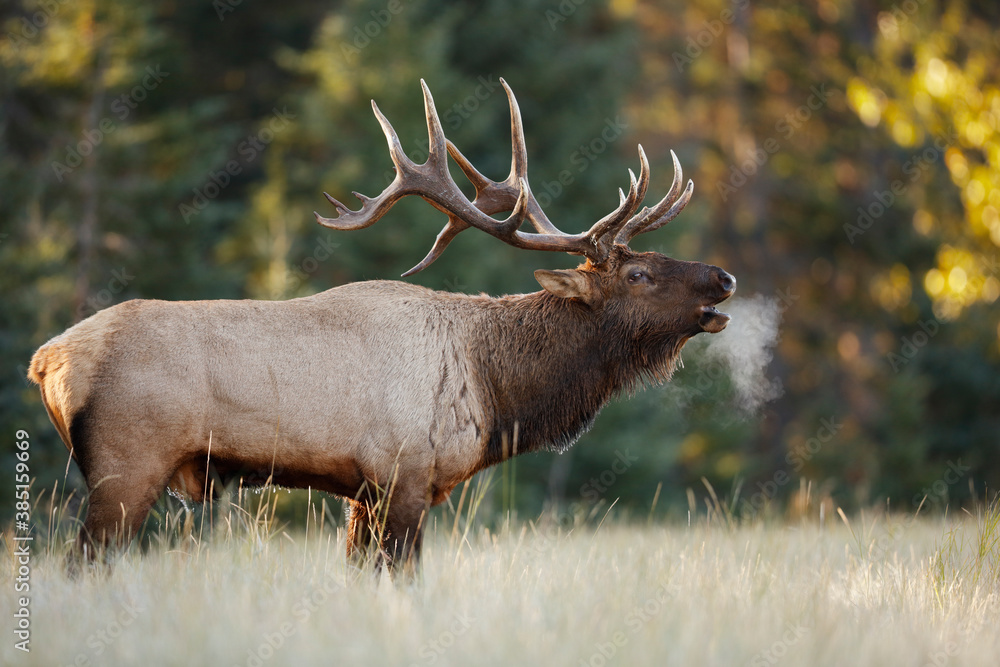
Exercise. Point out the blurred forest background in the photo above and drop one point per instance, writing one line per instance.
(846, 157)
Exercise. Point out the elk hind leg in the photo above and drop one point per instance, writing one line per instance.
(116, 509)
(361, 528)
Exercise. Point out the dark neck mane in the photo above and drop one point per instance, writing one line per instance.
(549, 365)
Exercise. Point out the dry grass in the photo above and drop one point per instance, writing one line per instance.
(891, 591)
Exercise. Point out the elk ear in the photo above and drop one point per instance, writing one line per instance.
(568, 284)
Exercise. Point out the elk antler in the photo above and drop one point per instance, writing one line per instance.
(666, 210)
(433, 182)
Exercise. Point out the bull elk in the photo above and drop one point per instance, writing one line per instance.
(379, 391)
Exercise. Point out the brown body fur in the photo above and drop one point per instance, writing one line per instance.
(350, 389)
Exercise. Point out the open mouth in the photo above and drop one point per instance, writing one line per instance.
(712, 320)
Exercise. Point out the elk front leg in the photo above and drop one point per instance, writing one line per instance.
(403, 536)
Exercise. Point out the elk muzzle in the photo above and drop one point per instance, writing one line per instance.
(712, 321)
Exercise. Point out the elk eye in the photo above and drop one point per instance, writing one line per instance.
(636, 276)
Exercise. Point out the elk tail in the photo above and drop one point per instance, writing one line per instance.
(44, 363)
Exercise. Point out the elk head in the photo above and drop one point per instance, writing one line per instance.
(660, 293)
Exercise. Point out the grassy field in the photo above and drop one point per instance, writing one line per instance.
(864, 591)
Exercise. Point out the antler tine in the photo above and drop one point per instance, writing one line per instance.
(491, 197)
(673, 211)
(444, 237)
(495, 197)
(643, 175)
(519, 164)
(608, 227)
(666, 210)
(373, 208)
(438, 151)
(433, 182)
(430, 180)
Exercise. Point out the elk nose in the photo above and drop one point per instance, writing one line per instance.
(727, 282)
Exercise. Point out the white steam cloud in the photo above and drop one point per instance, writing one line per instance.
(742, 351)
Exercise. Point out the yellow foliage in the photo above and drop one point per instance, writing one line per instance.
(866, 101)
